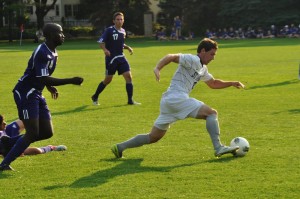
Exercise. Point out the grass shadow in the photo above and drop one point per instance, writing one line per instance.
(294, 81)
(291, 111)
(294, 111)
(126, 167)
(85, 108)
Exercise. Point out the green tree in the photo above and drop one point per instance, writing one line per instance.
(41, 11)
(198, 15)
(11, 9)
(259, 12)
(100, 13)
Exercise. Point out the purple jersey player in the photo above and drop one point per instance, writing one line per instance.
(13, 131)
(32, 106)
(112, 44)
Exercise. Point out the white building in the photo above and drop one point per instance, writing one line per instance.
(68, 9)
(63, 10)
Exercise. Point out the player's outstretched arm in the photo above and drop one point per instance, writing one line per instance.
(218, 84)
(163, 62)
(52, 81)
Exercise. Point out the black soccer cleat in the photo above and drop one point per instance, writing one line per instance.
(6, 168)
(133, 103)
(95, 101)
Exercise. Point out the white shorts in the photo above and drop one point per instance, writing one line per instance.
(176, 106)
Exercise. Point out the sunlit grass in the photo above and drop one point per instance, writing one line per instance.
(182, 164)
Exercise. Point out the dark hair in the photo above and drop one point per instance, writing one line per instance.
(207, 44)
(50, 28)
(117, 14)
(1, 119)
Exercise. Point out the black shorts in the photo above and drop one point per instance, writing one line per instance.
(119, 64)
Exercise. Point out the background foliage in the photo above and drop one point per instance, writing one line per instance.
(197, 15)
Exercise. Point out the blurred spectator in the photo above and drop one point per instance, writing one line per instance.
(173, 34)
(177, 26)
(161, 35)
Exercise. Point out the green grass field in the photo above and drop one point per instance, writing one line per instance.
(182, 164)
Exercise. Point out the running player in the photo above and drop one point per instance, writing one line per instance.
(176, 103)
(32, 106)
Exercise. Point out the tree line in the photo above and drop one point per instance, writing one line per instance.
(196, 15)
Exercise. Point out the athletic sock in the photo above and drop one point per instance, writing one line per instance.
(129, 90)
(212, 126)
(46, 149)
(15, 152)
(136, 141)
(99, 90)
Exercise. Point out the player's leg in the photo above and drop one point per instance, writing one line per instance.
(44, 149)
(102, 85)
(45, 128)
(212, 126)
(129, 88)
(109, 73)
(124, 69)
(139, 140)
(33, 151)
(32, 131)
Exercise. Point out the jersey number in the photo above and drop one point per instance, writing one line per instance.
(115, 36)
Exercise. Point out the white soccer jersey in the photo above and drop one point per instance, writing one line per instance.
(189, 72)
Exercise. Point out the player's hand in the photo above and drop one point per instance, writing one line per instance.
(130, 50)
(157, 74)
(53, 91)
(77, 80)
(107, 53)
(238, 85)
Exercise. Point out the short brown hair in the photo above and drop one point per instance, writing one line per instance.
(207, 44)
(117, 14)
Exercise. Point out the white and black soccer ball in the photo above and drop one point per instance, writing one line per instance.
(243, 144)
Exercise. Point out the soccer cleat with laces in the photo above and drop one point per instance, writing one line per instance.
(225, 149)
(116, 151)
(95, 101)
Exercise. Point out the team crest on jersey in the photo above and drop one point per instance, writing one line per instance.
(49, 56)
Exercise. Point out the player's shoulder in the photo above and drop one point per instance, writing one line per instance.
(110, 29)
(189, 56)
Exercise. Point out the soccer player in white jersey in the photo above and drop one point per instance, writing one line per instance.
(176, 104)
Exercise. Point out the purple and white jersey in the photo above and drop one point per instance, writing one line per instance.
(11, 130)
(114, 41)
(41, 63)
(189, 72)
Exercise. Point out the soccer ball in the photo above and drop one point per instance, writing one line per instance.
(243, 144)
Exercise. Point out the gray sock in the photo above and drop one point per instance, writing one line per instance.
(212, 126)
(136, 141)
